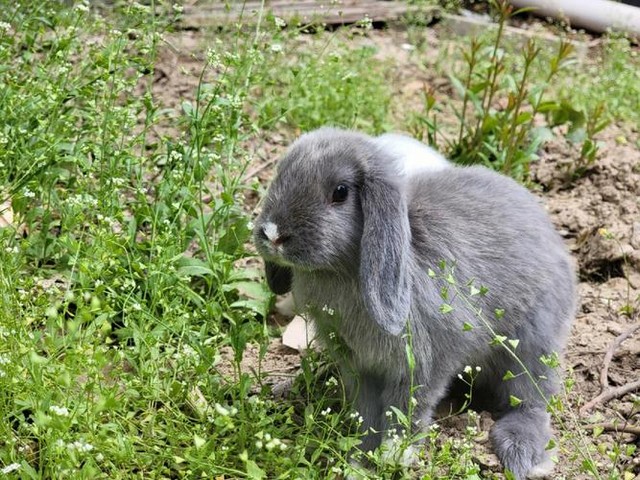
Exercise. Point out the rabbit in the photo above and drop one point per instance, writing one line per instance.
(356, 244)
(412, 157)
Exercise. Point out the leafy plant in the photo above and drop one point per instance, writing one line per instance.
(337, 85)
(500, 103)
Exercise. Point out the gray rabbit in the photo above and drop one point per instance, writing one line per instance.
(355, 242)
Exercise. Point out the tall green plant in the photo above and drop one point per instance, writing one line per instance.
(498, 104)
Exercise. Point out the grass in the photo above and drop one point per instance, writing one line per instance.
(127, 291)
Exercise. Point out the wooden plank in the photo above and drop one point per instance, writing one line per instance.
(305, 11)
(473, 26)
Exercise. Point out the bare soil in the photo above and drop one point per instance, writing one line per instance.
(604, 202)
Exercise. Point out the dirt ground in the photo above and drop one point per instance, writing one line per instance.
(606, 200)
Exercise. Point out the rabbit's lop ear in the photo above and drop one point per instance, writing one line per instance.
(384, 252)
(278, 278)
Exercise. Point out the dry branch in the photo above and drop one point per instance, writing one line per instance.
(607, 392)
(612, 427)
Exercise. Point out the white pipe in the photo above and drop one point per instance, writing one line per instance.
(595, 15)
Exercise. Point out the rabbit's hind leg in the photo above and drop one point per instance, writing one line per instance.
(520, 437)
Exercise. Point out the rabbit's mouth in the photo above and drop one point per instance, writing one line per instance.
(279, 255)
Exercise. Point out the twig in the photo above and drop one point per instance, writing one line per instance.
(612, 427)
(604, 374)
(607, 392)
(252, 173)
(610, 393)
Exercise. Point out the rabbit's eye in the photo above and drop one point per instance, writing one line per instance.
(340, 194)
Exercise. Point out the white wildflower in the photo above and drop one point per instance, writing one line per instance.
(175, 156)
(139, 7)
(60, 411)
(222, 410)
(328, 310)
(332, 382)
(276, 48)
(273, 443)
(82, 7)
(365, 23)
(12, 467)
(80, 446)
(177, 8)
(280, 23)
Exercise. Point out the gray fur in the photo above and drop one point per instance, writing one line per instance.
(360, 268)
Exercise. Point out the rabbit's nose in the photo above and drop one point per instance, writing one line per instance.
(270, 231)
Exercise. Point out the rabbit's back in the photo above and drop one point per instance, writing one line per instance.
(494, 232)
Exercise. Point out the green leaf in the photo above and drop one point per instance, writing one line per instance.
(252, 305)
(458, 86)
(541, 135)
(499, 313)
(431, 273)
(508, 376)
(254, 471)
(577, 135)
(446, 308)
(198, 441)
(444, 293)
(514, 342)
(449, 278)
(567, 114)
(402, 418)
(346, 444)
(524, 117)
(466, 327)
(248, 289)
(195, 271)
(193, 267)
(187, 108)
(473, 291)
(37, 359)
(235, 236)
(514, 401)
(548, 106)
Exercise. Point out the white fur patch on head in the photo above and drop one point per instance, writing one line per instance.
(270, 229)
(412, 157)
